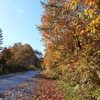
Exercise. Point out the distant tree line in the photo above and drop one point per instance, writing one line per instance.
(19, 58)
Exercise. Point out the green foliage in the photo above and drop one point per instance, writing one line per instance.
(50, 74)
(1, 72)
(9, 68)
(32, 67)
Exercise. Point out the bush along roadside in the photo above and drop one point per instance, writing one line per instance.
(80, 81)
(8, 68)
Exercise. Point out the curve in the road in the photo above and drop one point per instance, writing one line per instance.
(7, 83)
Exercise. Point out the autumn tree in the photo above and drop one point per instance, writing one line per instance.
(1, 37)
(70, 28)
(6, 55)
(23, 55)
(71, 35)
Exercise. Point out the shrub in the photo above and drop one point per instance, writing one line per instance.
(81, 81)
(32, 67)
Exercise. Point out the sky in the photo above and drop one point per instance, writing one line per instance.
(19, 20)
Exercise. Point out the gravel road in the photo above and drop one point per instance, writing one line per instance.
(11, 80)
(29, 86)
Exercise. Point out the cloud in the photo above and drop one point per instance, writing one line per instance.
(20, 10)
(16, 5)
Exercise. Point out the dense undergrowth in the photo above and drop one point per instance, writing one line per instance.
(79, 82)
